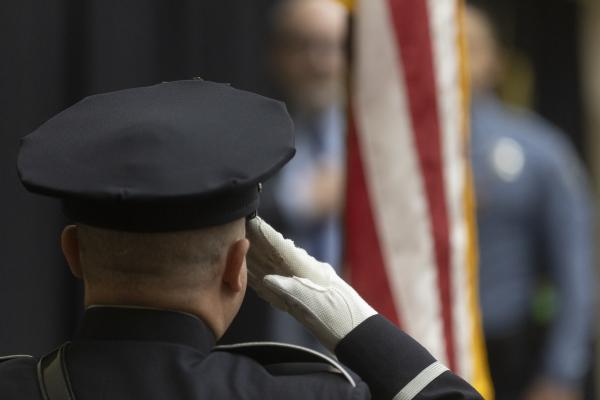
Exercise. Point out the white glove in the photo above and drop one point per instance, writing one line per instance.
(290, 279)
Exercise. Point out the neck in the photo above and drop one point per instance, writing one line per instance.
(198, 302)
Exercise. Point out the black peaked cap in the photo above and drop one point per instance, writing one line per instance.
(173, 156)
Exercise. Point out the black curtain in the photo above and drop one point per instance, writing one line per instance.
(55, 53)
(549, 33)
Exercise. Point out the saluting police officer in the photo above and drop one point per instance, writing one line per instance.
(163, 183)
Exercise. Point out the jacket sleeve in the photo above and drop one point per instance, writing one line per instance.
(395, 366)
(567, 227)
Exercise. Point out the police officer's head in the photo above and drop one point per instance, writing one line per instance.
(159, 181)
(200, 271)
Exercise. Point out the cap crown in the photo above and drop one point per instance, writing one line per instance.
(164, 144)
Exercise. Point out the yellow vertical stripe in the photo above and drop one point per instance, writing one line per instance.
(348, 3)
(481, 378)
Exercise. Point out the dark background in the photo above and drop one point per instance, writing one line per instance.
(56, 52)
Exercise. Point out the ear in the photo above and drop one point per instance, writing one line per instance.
(234, 275)
(70, 248)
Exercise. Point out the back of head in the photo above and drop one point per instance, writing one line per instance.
(160, 180)
(181, 260)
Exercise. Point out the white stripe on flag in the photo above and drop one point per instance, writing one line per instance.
(393, 176)
(444, 36)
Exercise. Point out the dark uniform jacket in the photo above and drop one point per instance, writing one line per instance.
(129, 353)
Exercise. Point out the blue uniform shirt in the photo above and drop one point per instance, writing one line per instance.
(535, 216)
(319, 141)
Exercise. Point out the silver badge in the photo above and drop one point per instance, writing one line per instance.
(508, 159)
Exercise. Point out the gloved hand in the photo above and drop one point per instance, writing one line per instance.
(290, 279)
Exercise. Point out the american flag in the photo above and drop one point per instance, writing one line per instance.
(410, 236)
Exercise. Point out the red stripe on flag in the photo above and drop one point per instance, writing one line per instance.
(363, 252)
(411, 24)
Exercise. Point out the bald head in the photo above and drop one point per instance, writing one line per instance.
(484, 52)
(308, 49)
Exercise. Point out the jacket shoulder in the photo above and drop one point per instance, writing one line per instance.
(15, 357)
(287, 359)
(18, 379)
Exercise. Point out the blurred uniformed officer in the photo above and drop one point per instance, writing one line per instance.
(536, 228)
(163, 183)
